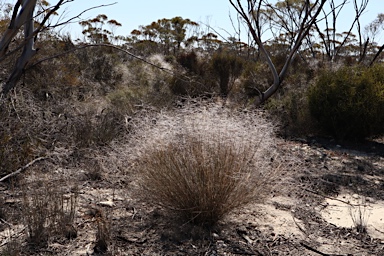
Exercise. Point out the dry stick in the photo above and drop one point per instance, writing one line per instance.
(330, 197)
(318, 252)
(377, 55)
(22, 168)
(301, 229)
(12, 237)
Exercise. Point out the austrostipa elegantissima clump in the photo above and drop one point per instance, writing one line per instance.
(203, 163)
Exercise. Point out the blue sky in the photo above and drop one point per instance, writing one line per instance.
(215, 13)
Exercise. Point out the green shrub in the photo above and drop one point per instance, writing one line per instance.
(197, 79)
(226, 67)
(349, 103)
(256, 79)
(291, 112)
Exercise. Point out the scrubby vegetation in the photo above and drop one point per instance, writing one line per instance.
(348, 103)
(175, 126)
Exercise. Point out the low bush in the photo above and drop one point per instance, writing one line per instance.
(291, 112)
(97, 129)
(349, 103)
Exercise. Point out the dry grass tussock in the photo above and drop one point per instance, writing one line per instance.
(203, 162)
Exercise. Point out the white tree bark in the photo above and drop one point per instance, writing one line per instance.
(24, 17)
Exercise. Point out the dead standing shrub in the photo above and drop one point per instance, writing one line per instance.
(204, 165)
(97, 129)
(48, 212)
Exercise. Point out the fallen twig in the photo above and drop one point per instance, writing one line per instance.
(301, 229)
(16, 235)
(22, 168)
(319, 252)
(329, 197)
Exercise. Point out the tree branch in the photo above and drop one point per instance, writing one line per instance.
(22, 168)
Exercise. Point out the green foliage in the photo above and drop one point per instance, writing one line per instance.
(198, 80)
(170, 34)
(349, 103)
(256, 78)
(142, 83)
(226, 66)
(291, 111)
(95, 31)
(99, 65)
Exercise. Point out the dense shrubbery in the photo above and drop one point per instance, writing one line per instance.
(291, 111)
(226, 67)
(197, 78)
(349, 103)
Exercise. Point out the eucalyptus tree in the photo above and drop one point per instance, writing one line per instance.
(95, 32)
(336, 43)
(295, 17)
(170, 34)
(34, 16)
(371, 31)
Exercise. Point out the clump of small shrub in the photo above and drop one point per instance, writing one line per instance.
(289, 108)
(349, 103)
(19, 126)
(97, 129)
(48, 212)
(202, 166)
(255, 79)
(143, 84)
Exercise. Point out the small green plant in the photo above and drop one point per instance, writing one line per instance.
(349, 103)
